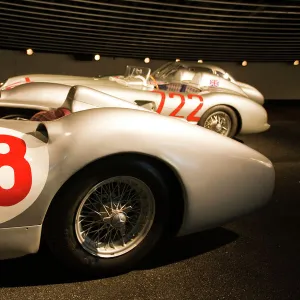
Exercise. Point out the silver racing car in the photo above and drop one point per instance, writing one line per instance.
(224, 111)
(203, 76)
(103, 186)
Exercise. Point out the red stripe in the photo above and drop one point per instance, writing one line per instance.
(27, 80)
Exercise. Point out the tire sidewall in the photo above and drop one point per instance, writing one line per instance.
(65, 239)
(222, 108)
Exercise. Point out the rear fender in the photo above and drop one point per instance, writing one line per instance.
(252, 115)
(82, 98)
(36, 95)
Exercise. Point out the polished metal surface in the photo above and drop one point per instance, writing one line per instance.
(19, 241)
(219, 122)
(81, 93)
(198, 157)
(115, 216)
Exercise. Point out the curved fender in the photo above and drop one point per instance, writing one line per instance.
(253, 93)
(36, 95)
(254, 117)
(222, 178)
(82, 98)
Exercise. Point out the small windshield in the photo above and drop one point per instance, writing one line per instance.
(161, 69)
(133, 71)
(166, 71)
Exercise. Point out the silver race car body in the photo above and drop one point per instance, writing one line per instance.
(204, 76)
(218, 109)
(192, 76)
(211, 180)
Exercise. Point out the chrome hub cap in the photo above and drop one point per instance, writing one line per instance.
(115, 216)
(219, 122)
(118, 220)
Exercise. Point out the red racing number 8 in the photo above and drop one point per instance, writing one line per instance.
(15, 159)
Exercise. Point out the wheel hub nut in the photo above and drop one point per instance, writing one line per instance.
(118, 220)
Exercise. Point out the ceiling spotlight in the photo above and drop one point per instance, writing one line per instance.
(29, 51)
(296, 62)
(177, 59)
(147, 60)
(97, 57)
(244, 63)
(200, 61)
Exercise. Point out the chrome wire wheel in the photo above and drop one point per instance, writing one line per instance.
(115, 216)
(219, 122)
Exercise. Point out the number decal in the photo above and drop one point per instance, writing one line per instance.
(24, 170)
(162, 101)
(15, 159)
(179, 107)
(191, 117)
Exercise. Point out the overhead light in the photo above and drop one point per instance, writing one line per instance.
(29, 51)
(97, 57)
(177, 59)
(147, 60)
(200, 61)
(244, 63)
(296, 62)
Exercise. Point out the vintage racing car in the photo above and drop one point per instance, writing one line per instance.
(222, 111)
(135, 178)
(193, 75)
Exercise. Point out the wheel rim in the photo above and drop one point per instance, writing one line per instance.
(219, 122)
(115, 216)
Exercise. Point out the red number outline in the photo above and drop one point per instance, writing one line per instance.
(191, 117)
(179, 107)
(15, 159)
(162, 101)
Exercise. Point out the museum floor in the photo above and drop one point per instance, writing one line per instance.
(255, 257)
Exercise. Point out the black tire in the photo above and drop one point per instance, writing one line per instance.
(225, 109)
(59, 230)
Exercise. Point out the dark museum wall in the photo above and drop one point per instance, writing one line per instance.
(277, 81)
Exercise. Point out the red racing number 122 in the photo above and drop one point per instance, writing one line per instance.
(15, 159)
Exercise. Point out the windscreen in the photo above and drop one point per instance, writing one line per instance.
(168, 70)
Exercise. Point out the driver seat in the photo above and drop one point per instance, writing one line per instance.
(50, 115)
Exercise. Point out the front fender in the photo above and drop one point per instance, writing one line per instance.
(222, 178)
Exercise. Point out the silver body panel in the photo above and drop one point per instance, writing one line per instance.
(19, 241)
(222, 179)
(41, 94)
(206, 75)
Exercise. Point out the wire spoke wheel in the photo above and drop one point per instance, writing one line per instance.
(115, 216)
(219, 122)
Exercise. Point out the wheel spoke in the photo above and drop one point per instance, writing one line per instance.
(219, 122)
(115, 216)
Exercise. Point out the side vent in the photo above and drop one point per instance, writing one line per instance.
(41, 133)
